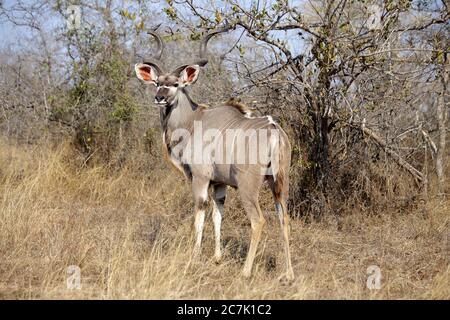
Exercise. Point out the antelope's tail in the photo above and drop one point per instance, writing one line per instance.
(280, 169)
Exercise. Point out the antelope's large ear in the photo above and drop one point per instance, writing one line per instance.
(189, 75)
(146, 73)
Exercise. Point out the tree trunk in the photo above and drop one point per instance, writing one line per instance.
(442, 119)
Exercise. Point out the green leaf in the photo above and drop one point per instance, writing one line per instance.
(218, 17)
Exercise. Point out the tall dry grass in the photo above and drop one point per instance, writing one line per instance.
(131, 235)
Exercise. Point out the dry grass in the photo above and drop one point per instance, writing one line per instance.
(131, 236)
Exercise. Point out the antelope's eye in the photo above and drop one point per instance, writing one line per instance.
(175, 85)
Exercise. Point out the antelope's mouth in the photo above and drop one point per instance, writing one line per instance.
(164, 103)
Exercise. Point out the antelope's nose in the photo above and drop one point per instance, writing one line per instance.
(159, 99)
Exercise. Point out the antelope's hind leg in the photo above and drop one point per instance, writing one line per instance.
(284, 223)
(251, 206)
(280, 193)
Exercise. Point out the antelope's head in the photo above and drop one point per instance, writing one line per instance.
(168, 84)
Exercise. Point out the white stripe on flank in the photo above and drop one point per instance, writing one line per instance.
(271, 120)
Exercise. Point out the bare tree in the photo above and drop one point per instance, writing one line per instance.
(336, 68)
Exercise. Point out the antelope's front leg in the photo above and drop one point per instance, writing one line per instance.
(220, 193)
(200, 190)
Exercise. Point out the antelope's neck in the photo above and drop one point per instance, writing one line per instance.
(180, 115)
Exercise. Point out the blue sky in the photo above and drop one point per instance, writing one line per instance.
(10, 34)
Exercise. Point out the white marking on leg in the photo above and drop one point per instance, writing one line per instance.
(200, 190)
(217, 219)
(199, 223)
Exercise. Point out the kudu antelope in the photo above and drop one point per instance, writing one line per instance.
(179, 113)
